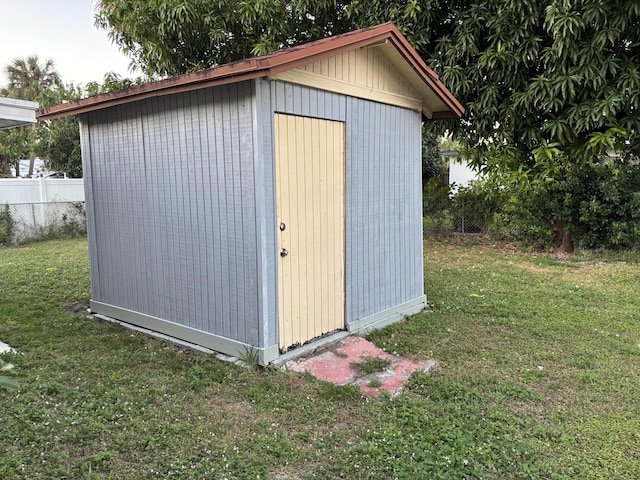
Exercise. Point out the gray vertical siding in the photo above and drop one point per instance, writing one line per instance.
(308, 102)
(172, 187)
(271, 97)
(197, 246)
(85, 145)
(383, 208)
(266, 213)
(383, 193)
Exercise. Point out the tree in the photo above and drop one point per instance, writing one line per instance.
(556, 83)
(549, 85)
(15, 144)
(58, 141)
(178, 36)
(28, 78)
(431, 157)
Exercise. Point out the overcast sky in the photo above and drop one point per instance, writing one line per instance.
(63, 31)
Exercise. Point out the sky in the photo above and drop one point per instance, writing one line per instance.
(64, 31)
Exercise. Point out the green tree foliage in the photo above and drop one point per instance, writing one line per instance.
(56, 141)
(15, 144)
(537, 71)
(431, 157)
(169, 37)
(28, 77)
(546, 83)
(111, 82)
(59, 144)
(600, 202)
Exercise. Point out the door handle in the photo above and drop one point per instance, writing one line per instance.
(284, 252)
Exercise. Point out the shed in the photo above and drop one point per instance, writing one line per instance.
(264, 204)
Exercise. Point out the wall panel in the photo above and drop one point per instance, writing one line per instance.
(384, 208)
(383, 192)
(173, 197)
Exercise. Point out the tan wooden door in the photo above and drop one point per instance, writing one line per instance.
(310, 172)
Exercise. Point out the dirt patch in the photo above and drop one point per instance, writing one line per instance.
(76, 307)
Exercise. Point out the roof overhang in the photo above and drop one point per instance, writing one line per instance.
(396, 46)
(14, 113)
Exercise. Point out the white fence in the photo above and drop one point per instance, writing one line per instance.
(40, 190)
(38, 207)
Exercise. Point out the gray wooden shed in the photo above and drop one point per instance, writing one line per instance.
(266, 203)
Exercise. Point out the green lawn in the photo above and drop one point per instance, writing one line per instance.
(539, 378)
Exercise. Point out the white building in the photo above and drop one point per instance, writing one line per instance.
(461, 173)
(14, 113)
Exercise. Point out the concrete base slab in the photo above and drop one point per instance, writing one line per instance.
(338, 364)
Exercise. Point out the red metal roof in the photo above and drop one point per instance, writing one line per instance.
(267, 65)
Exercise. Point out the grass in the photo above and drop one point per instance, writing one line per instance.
(540, 369)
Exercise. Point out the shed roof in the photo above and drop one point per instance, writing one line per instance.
(439, 102)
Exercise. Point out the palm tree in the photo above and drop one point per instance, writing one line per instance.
(27, 78)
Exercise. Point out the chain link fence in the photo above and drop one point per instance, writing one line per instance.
(20, 222)
(444, 215)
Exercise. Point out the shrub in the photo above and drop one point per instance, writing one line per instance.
(608, 214)
(475, 208)
(6, 225)
(436, 207)
(600, 203)
(74, 223)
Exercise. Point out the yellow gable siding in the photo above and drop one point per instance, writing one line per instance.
(363, 73)
(365, 67)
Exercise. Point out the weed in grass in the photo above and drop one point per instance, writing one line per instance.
(331, 392)
(97, 465)
(198, 376)
(250, 357)
(531, 375)
(586, 360)
(375, 383)
(589, 378)
(371, 365)
(505, 390)
(7, 382)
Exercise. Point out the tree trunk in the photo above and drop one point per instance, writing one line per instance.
(5, 167)
(566, 242)
(32, 161)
